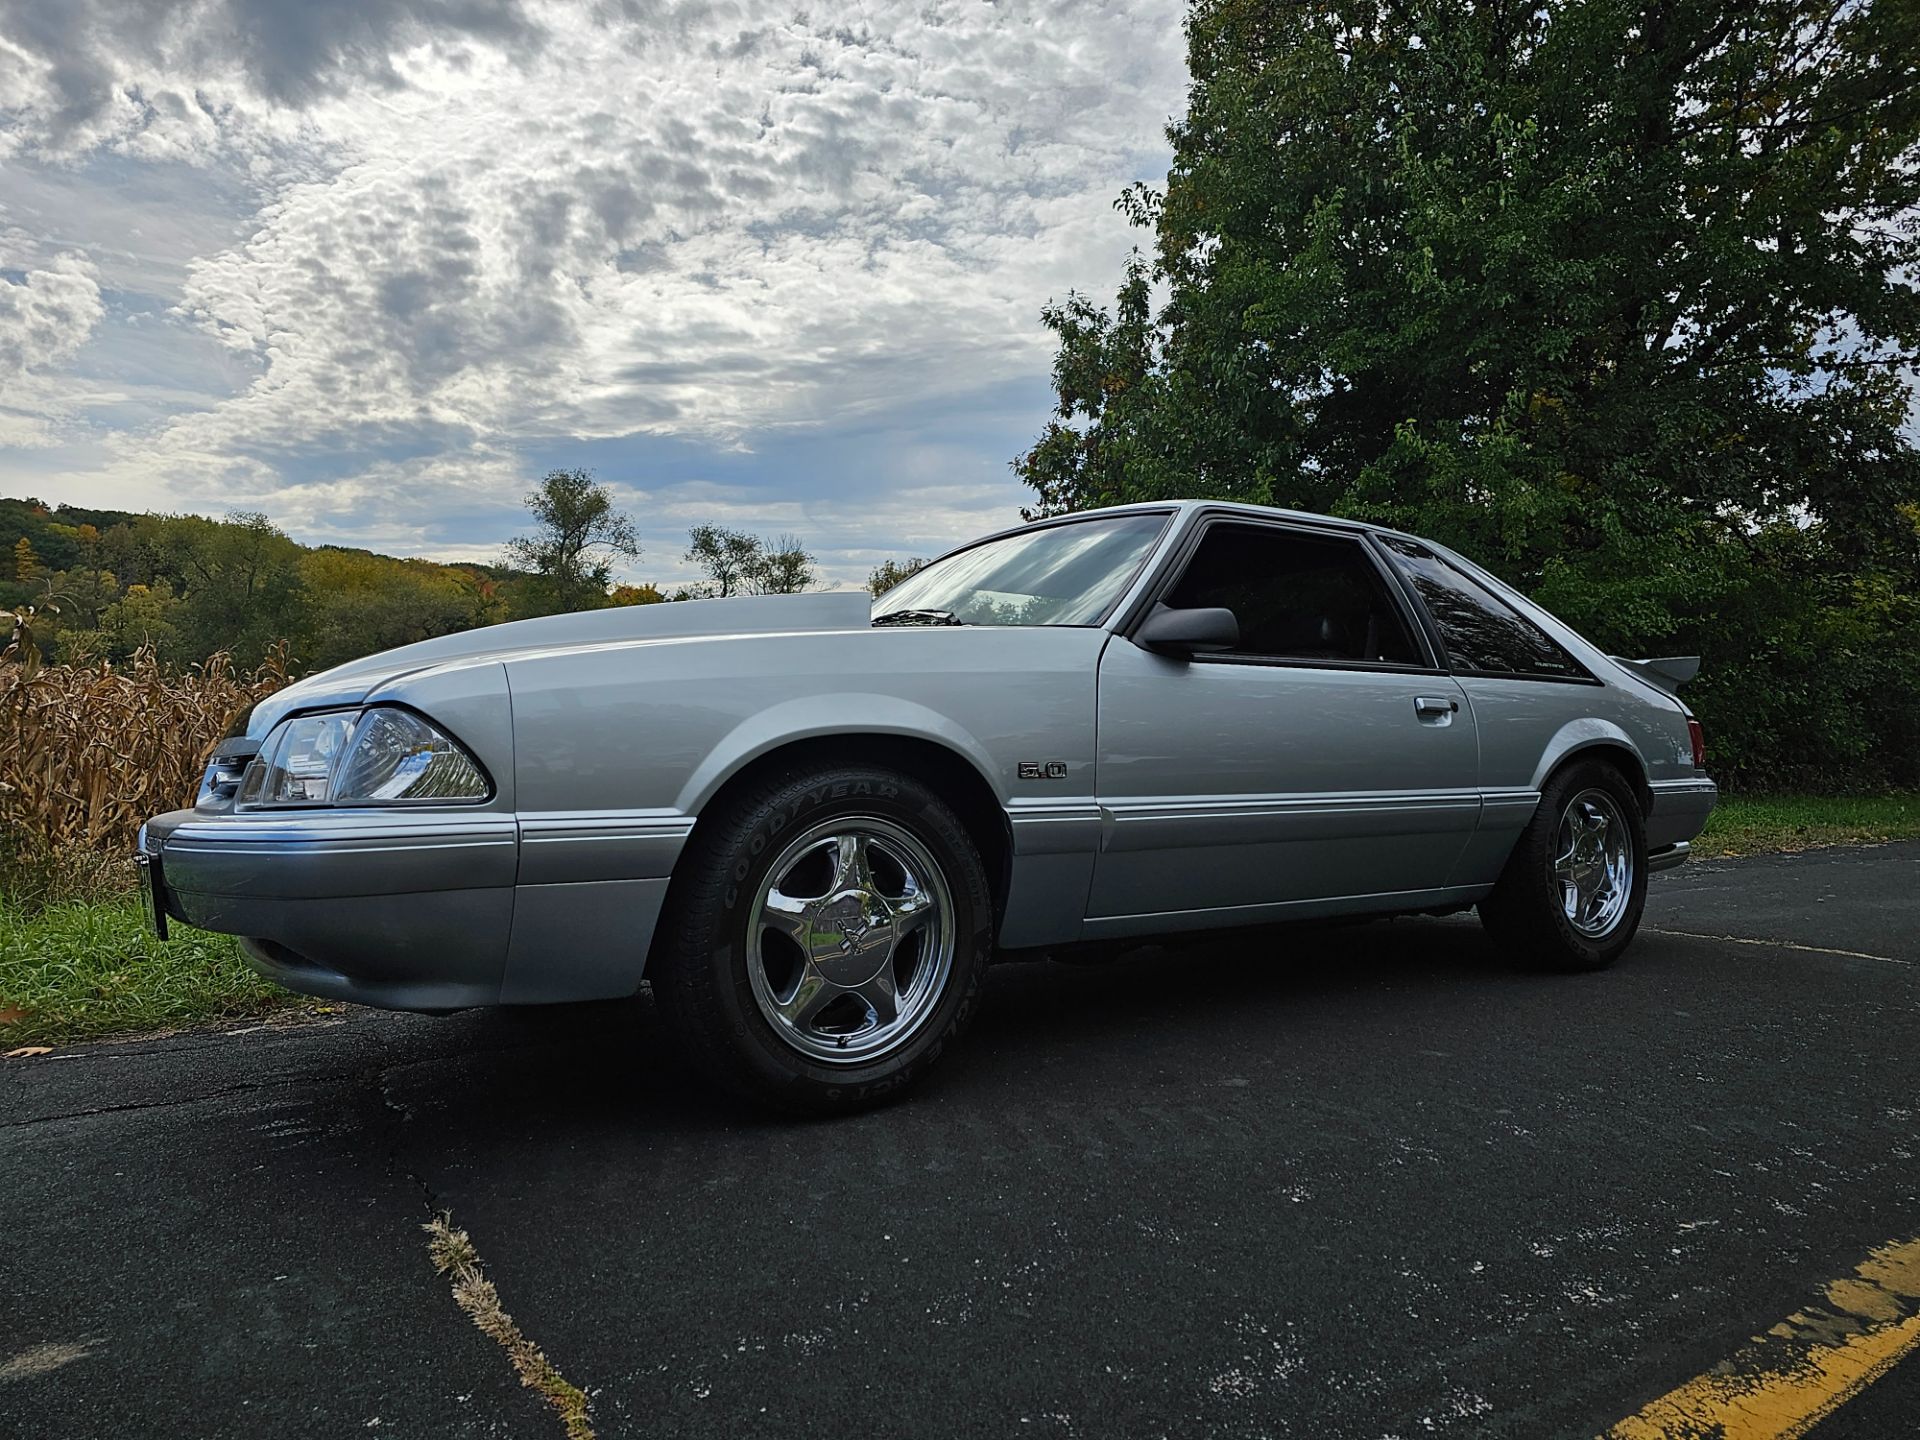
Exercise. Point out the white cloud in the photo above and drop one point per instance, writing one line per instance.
(44, 320)
(761, 223)
(484, 228)
(46, 317)
(199, 79)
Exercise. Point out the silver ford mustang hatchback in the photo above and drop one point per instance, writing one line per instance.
(810, 821)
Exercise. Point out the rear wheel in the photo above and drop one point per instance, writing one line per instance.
(826, 939)
(1576, 883)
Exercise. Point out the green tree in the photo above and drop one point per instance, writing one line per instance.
(784, 567)
(238, 581)
(727, 557)
(1620, 298)
(134, 551)
(359, 602)
(889, 573)
(579, 537)
(84, 594)
(145, 615)
(486, 604)
(737, 563)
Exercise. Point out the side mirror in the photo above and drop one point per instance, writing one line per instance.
(1188, 632)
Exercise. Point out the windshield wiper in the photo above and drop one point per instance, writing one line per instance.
(918, 617)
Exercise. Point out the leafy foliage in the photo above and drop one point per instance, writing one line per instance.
(737, 563)
(648, 594)
(361, 602)
(889, 573)
(580, 535)
(106, 585)
(1619, 299)
(183, 587)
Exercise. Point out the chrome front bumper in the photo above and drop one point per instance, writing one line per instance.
(403, 912)
(414, 910)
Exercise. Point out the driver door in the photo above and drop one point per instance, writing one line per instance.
(1326, 758)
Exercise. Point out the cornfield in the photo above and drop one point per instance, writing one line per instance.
(88, 751)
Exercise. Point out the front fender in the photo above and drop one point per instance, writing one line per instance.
(816, 716)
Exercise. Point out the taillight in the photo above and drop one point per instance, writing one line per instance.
(1699, 739)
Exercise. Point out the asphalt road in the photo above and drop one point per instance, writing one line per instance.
(1367, 1181)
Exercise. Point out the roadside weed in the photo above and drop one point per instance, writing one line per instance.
(76, 971)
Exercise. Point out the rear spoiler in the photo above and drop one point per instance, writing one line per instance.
(1664, 672)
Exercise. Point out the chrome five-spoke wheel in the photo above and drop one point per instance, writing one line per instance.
(1593, 863)
(851, 939)
(1572, 891)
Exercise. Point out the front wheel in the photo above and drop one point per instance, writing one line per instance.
(826, 939)
(1576, 883)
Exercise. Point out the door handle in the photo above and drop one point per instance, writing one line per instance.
(1433, 706)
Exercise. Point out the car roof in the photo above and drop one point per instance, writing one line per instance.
(1236, 507)
(1183, 507)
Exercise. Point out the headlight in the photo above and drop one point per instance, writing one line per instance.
(381, 756)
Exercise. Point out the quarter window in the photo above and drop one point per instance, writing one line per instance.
(1482, 633)
(1297, 596)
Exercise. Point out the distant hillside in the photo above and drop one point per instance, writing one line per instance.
(51, 532)
(50, 529)
(106, 582)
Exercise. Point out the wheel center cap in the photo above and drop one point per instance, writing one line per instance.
(852, 937)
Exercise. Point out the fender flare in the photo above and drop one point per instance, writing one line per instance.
(824, 716)
(1590, 733)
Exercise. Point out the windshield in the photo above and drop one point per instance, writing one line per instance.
(1054, 575)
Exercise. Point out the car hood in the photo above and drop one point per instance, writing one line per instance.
(352, 682)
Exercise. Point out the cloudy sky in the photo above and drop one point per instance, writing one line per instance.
(373, 266)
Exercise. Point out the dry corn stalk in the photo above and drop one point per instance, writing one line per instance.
(88, 751)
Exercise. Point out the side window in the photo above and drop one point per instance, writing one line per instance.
(1298, 596)
(1481, 631)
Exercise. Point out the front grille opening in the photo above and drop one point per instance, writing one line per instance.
(220, 782)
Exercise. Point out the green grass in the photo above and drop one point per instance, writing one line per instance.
(1754, 824)
(77, 971)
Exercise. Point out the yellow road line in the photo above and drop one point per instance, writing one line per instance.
(1780, 1384)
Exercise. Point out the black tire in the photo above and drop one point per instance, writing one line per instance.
(700, 963)
(1526, 912)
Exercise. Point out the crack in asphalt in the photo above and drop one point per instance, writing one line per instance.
(171, 1103)
(397, 1169)
(1775, 944)
(452, 1255)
